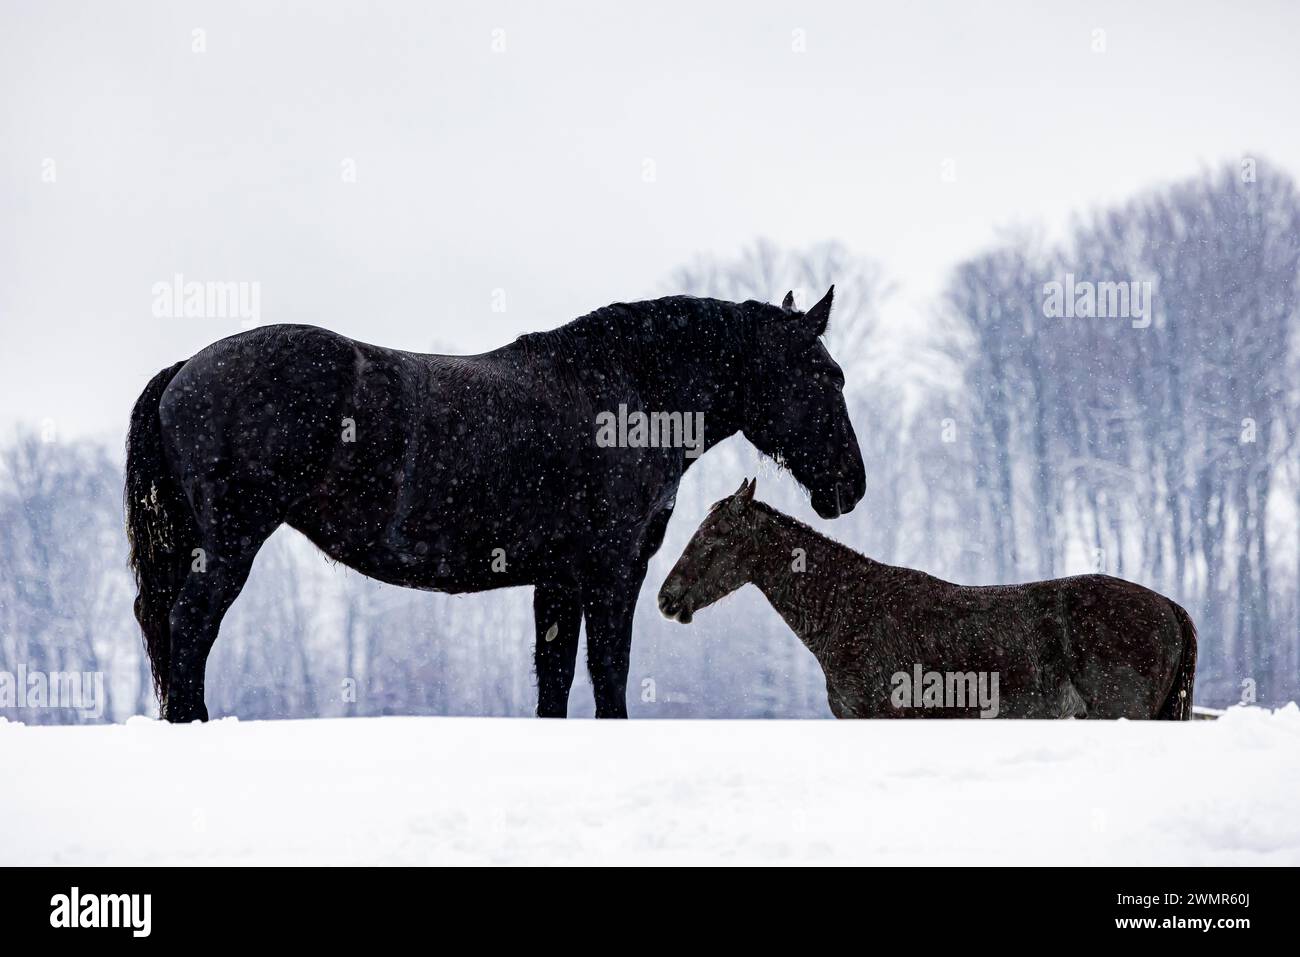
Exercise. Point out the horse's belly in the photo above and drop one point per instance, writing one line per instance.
(452, 554)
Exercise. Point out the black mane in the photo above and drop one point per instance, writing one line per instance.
(633, 328)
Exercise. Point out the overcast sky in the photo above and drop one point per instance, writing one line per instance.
(525, 169)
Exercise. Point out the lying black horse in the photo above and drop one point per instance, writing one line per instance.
(465, 473)
(1088, 647)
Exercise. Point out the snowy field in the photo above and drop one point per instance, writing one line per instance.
(475, 790)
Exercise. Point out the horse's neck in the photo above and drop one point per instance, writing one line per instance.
(808, 579)
(682, 371)
(681, 379)
(686, 377)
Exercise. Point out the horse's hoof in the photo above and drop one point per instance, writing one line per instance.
(177, 715)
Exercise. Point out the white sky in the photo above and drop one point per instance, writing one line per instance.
(522, 170)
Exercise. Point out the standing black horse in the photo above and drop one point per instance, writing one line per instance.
(465, 473)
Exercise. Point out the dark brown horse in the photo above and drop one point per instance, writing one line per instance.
(894, 642)
(466, 473)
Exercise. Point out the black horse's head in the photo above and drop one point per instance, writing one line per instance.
(794, 407)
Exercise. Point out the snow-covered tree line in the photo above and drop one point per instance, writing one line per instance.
(1161, 449)
(1009, 443)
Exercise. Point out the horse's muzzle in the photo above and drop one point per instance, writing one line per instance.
(672, 607)
(829, 504)
(840, 499)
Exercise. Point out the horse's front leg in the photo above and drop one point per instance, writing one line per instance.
(557, 614)
(608, 608)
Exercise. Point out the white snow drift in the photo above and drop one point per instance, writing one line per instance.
(476, 790)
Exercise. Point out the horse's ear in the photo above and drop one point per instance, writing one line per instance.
(819, 316)
(744, 495)
(787, 303)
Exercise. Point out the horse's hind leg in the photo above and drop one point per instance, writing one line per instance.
(557, 613)
(218, 569)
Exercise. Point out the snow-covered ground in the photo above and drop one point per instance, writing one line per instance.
(476, 790)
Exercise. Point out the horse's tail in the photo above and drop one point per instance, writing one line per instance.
(159, 526)
(1178, 706)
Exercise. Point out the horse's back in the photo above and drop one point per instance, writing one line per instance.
(1111, 644)
(279, 359)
